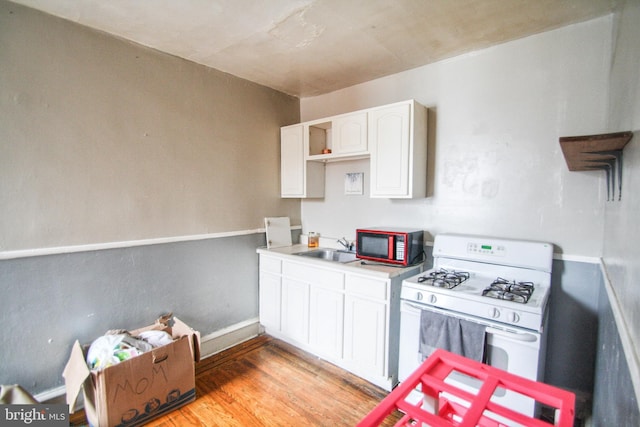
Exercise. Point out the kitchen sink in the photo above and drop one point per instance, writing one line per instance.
(334, 255)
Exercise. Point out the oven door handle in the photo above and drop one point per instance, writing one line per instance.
(522, 336)
(414, 306)
(514, 336)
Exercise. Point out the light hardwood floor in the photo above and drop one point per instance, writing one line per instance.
(266, 382)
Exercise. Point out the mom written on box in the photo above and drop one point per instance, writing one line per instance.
(139, 388)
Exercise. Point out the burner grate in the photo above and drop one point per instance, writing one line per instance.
(509, 290)
(443, 278)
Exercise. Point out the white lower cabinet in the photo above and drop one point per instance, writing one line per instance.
(367, 323)
(270, 299)
(312, 307)
(349, 319)
(365, 335)
(295, 309)
(326, 321)
(270, 292)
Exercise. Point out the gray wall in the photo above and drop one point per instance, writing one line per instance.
(585, 352)
(617, 386)
(573, 325)
(50, 301)
(621, 252)
(101, 142)
(615, 403)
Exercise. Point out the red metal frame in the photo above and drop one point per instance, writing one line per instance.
(431, 375)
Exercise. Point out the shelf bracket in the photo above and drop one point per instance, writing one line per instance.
(598, 152)
(609, 166)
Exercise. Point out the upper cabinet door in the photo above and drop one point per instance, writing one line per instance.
(389, 136)
(298, 178)
(350, 133)
(398, 146)
(292, 161)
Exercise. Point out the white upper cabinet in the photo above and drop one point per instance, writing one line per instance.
(298, 178)
(337, 138)
(394, 136)
(398, 146)
(349, 134)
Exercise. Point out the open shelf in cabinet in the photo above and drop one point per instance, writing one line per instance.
(319, 138)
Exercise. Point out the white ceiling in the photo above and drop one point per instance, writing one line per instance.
(310, 47)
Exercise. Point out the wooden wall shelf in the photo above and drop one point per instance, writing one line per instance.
(597, 152)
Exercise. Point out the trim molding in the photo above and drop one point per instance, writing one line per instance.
(577, 258)
(54, 396)
(25, 253)
(228, 337)
(558, 256)
(630, 354)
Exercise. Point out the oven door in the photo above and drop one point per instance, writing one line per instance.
(515, 351)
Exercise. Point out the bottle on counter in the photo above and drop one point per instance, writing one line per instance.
(313, 239)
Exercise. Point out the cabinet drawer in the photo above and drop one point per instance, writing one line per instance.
(315, 276)
(366, 287)
(272, 265)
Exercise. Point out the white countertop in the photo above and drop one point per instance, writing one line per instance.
(357, 266)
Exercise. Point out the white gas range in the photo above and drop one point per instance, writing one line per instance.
(499, 283)
(520, 265)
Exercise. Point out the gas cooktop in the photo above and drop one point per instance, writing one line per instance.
(495, 279)
(509, 290)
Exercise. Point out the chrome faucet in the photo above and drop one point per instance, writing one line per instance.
(347, 245)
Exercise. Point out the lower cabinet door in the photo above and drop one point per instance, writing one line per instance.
(270, 297)
(295, 310)
(364, 335)
(326, 321)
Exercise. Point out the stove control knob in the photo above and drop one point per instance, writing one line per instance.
(419, 296)
(433, 299)
(494, 312)
(513, 317)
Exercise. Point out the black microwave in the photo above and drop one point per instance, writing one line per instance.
(390, 245)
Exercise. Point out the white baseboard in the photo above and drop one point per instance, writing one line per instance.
(53, 396)
(209, 345)
(228, 337)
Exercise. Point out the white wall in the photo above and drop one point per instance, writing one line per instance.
(622, 230)
(499, 169)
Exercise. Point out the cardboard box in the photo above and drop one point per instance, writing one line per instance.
(139, 389)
